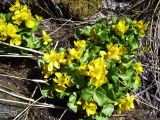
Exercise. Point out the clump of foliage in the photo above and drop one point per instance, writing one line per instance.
(18, 27)
(81, 8)
(96, 74)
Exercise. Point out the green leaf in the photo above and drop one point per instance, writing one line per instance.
(132, 41)
(29, 42)
(35, 28)
(108, 109)
(72, 70)
(72, 107)
(100, 117)
(72, 98)
(83, 32)
(126, 76)
(100, 96)
(85, 57)
(115, 79)
(87, 93)
(47, 91)
(40, 62)
(8, 16)
(110, 93)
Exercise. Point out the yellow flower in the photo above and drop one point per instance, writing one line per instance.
(55, 58)
(103, 53)
(25, 13)
(80, 44)
(83, 69)
(17, 18)
(63, 81)
(15, 39)
(90, 108)
(15, 7)
(115, 51)
(61, 57)
(126, 103)
(141, 27)
(47, 70)
(59, 88)
(11, 29)
(75, 54)
(120, 28)
(137, 80)
(79, 102)
(3, 29)
(97, 72)
(46, 38)
(50, 57)
(22, 14)
(138, 67)
(30, 23)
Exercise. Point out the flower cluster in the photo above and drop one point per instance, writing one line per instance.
(63, 81)
(53, 61)
(97, 72)
(139, 69)
(91, 73)
(8, 30)
(76, 53)
(141, 27)
(120, 28)
(126, 103)
(18, 26)
(21, 13)
(90, 108)
(114, 51)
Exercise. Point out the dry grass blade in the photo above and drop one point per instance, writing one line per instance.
(22, 48)
(20, 78)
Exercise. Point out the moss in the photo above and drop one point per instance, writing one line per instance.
(80, 8)
(71, 8)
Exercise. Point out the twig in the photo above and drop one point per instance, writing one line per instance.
(148, 105)
(41, 105)
(17, 96)
(22, 48)
(119, 115)
(62, 114)
(152, 19)
(19, 78)
(43, 9)
(17, 56)
(57, 7)
(29, 99)
(21, 114)
(56, 45)
(60, 27)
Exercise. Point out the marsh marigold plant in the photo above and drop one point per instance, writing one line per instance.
(96, 75)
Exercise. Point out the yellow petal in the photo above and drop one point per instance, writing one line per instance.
(59, 88)
(30, 23)
(50, 66)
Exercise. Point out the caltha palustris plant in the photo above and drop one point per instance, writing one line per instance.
(18, 28)
(98, 73)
